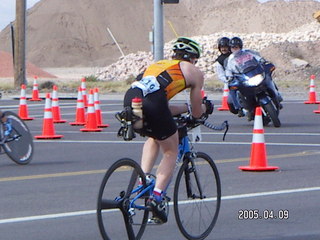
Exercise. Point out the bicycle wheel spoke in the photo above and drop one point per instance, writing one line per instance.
(196, 215)
(133, 181)
(109, 204)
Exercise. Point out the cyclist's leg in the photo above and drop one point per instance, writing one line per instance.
(149, 154)
(169, 148)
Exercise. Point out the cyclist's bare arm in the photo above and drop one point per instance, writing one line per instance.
(178, 109)
(194, 80)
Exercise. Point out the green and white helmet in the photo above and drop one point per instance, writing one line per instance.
(187, 45)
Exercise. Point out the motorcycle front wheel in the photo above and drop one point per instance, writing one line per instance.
(273, 113)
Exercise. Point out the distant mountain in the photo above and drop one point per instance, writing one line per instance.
(74, 33)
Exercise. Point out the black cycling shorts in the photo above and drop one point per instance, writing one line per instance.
(158, 122)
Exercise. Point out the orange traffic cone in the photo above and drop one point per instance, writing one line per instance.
(80, 111)
(258, 161)
(55, 106)
(98, 110)
(35, 91)
(91, 121)
(23, 108)
(48, 131)
(225, 106)
(203, 94)
(84, 92)
(312, 92)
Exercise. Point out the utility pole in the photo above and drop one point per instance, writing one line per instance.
(157, 36)
(20, 44)
(158, 30)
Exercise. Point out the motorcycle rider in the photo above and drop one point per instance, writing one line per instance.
(236, 46)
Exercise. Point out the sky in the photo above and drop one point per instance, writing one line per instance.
(8, 11)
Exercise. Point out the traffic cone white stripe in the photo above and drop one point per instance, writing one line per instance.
(258, 138)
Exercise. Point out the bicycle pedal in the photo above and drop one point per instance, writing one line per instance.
(154, 221)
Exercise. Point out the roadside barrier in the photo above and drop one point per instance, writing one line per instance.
(23, 108)
(258, 160)
(48, 131)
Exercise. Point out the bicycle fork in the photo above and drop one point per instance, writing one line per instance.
(191, 169)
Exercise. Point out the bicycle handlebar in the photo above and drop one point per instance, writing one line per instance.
(185, 121)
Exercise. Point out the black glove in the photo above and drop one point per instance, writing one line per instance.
(192, 121)
(209, 105)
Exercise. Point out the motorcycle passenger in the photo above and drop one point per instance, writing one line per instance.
(156, 86)
(237, 50)
(235, 44)
(221, 61)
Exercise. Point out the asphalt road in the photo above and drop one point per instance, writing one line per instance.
(54, 197)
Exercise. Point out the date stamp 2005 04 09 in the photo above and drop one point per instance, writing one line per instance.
(252, 214)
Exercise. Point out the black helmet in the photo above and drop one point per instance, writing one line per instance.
(236, 42)
(223, 42)
(187, 46)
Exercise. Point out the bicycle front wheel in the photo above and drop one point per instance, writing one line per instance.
(197, 196)
(116, 219)
(19, 144)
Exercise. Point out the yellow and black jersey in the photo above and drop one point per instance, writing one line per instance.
(169, 75)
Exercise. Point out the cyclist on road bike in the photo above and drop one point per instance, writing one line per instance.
(156, 86)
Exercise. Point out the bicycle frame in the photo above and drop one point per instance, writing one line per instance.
(183, 148)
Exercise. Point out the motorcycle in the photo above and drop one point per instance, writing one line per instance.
(254, 87)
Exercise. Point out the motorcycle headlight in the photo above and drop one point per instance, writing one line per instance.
(256, 80)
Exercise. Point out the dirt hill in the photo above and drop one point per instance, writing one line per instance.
(74, 33)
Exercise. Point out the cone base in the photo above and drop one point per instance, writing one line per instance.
(77, 123)
(27, 118)
(223, 109)
(90, 129)
(59, 121)
(103, 125)
(311, 102)
(48, 137)
(251, 168)
(35, 99)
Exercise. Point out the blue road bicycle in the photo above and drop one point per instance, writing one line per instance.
(196, 195)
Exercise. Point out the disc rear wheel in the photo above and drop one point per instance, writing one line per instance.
(19, 143)
(116, 219)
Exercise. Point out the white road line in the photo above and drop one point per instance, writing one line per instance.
(88, 212)
(141, 142)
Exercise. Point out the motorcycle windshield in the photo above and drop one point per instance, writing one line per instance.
(245, 62)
